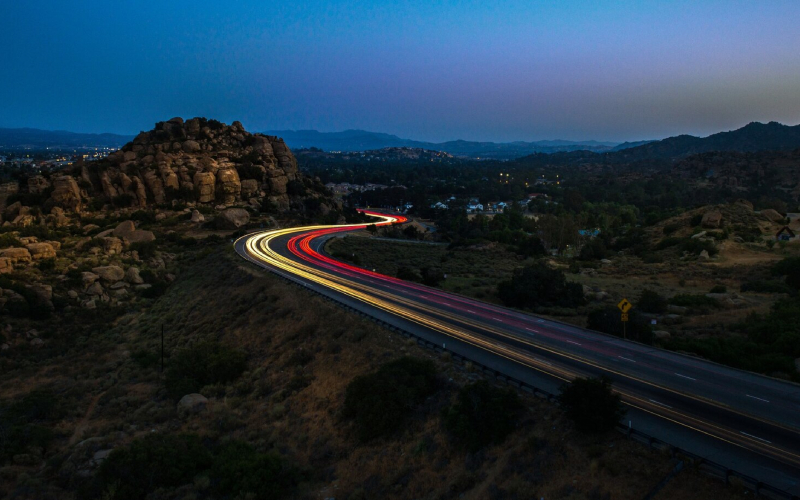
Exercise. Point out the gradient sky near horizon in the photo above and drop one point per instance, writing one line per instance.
(502, 70)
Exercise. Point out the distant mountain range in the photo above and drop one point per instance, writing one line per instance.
(362, 140)
(16, 138)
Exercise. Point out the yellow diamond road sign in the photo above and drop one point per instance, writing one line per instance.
(624, 305)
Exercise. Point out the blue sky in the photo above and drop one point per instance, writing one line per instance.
(501, 70)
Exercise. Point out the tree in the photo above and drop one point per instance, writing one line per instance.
(539, 285)
(591, 404)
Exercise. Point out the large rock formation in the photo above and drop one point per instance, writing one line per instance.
(197, 160)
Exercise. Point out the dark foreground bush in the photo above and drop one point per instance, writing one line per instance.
(609, 320)
(202, 364)
(382, 402)
(233, 470)
(20, 421)
(591, 404)
(482, 415)
(538, 285)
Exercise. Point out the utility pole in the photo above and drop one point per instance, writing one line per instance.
(162, 348)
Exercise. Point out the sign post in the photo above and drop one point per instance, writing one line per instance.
(624, 306)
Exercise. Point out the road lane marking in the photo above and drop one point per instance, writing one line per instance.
(660, 404)
(684, 376)
(755, 437)
(531, 330)
(571, 342)
(764, 400)
(470, 311)
(627, 359)
(498, 319)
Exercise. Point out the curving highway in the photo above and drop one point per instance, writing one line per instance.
(741, 420)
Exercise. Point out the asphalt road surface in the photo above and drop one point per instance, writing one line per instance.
(743, 421)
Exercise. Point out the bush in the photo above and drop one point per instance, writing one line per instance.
(147, 464)
(19, 423)
(652, 302)
(695, 302)
(381, 403)
(591, 404)
(203, 364)
(608, 320)
(671, 228)
(718, 289)
(789, 267)
(239, 471)
(482, 415)
(408, 274)
(766, 286)
(595, 249)
(538, 285)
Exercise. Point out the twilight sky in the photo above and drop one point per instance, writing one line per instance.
(427, 70)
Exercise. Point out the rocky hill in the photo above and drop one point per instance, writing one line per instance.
(198, 160)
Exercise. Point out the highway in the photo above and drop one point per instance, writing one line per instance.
(744, 421)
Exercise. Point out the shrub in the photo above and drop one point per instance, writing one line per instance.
(671, 228)
(766, 286)
(152, 462)
(408, 274)
(381, 403)
(789, 267)
(481, 415)
(718, 289)
(595, 249)
(239, 471)
(432, 276)
(693, 301)
(591, 404)
(19, 423)
(652, 302)
(539, 285)
(203, 364)
(608, 320)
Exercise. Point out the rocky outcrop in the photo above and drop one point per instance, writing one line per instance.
(38, 184)
(109, 274)
(232, 218)
(15, 254)
(199, 158)
(773, 215)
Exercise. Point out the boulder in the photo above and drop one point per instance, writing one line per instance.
(192, 403)
(197, 217)
(37, 184)
(23, 220)
(711, 219)
(661, 334)
(703, 255)
(124, 229)
(132, 276)
(88, 278)
(744, 203)
(95, 289)
(110, 274)
(44, 292)
(228, 187)
(773, 216)
(66, 194)
(40, 251)
(204, 186)
(232, 218)
(112, 245)
(15, 254)
(191, 146)
(699, 235)
(249, 188)
(6, 266)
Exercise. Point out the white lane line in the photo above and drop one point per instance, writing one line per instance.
(542, 361)
(660, 404)
(531, 330)
(571, 342)
(755, 437)
(470, 311)
(498, 319)
(540, 321)
(627, 359)
(684, 376)
(764, 400)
